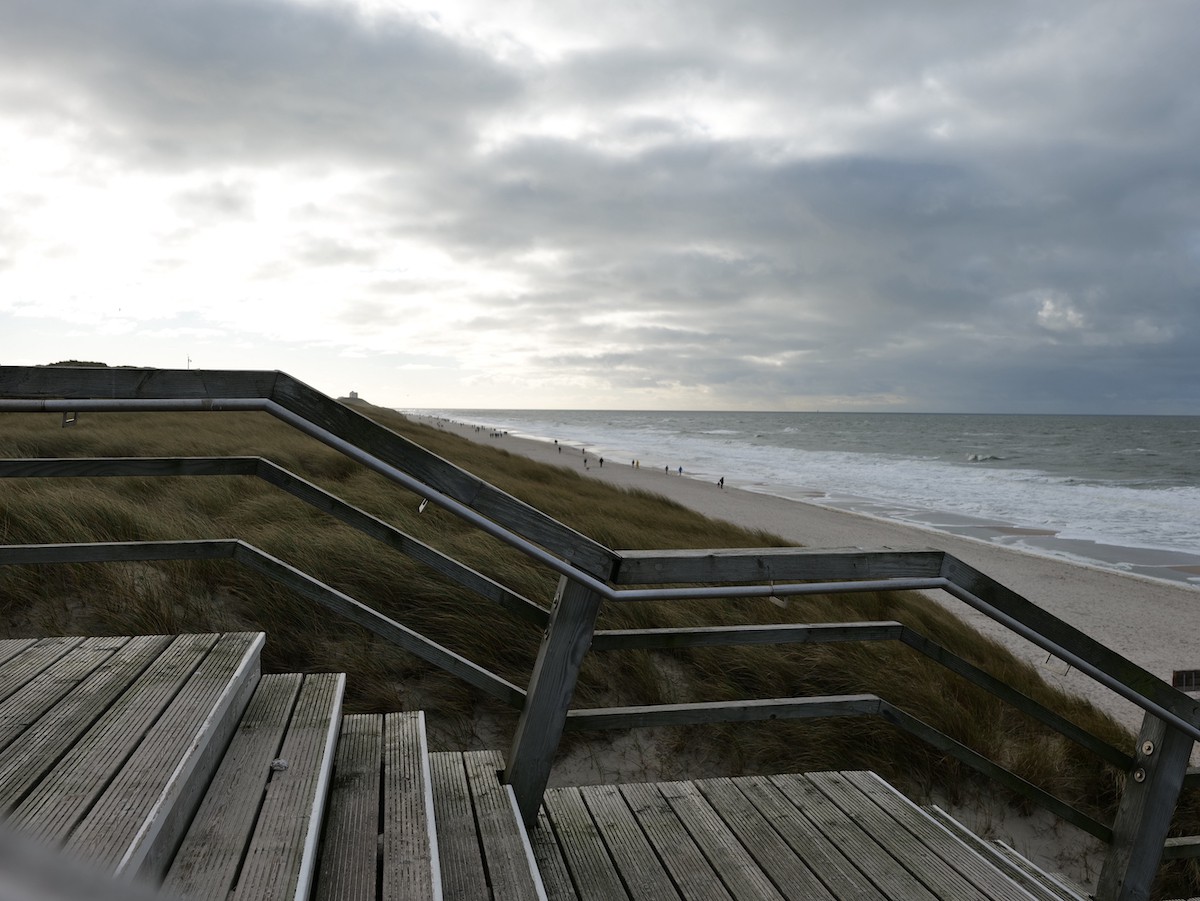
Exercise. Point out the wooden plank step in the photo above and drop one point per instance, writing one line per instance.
(512, 873)
(1032, 879)
(282, 856)
(641, 871)
(463, 875)
(592, 870)
(838, 872)
(39, 695)
(791, 876)
(694, 877)
(888, 875)
(11, 647)
(139, 820)
(350, 847)
(413, 862)
(556, 878)
(207, 863)
(733, 863)
(21, 668)
(75, 781)
(31, 755)
(899, 843)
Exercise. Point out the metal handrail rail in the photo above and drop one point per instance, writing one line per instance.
(1173, 718)
(565, 568)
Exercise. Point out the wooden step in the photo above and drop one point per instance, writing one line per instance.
(113, 772)
(380, 840)
(484, 847)
(256, 833)
(1033, 879)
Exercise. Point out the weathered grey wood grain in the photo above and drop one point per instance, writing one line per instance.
(36, 751)
(692, 875)
(912, 820)
(722, 566)
(20, 670)
(81, 382)
(899, 843)
(556, 878)
(512, 873)
(1145, 812)
(887, 874)
(722, 712)
(116, 551)
(143, 812)
(10, 647)
(463, 874)
(642, 872)
(551, 688)
(127, 467)
(592, 870)
(412, 849)
(281, 857)
(775, 857)
(207, 863)
(349, 849)
(817, 850)
(24, 707)
(710, 636)
(84, 771)
(1045, 624)
(733, 863)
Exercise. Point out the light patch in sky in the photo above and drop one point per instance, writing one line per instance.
(772, 206)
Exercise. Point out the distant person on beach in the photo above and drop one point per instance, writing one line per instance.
(721, 482)
(667, 470)
(601, 462)
(681, 470)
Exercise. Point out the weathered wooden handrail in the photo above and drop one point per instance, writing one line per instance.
(303, 490)
(827, 633)
(591, 574)
(757, 710)
(278, 571)
(58, 389)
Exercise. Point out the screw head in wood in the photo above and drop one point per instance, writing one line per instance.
(1147, 748)
(1139, 775)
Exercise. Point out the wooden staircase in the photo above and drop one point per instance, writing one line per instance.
(171, 762)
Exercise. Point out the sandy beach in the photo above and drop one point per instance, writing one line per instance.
(1149, 621)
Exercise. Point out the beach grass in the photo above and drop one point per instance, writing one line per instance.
(218, 595)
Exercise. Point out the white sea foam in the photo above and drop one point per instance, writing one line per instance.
(1064, 476)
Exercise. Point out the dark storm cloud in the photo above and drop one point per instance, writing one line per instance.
(946, 206)
(201, 82)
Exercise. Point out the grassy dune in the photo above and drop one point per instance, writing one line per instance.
(177, 597)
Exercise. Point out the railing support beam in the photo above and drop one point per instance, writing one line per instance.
(551, 688)
(1144, 815)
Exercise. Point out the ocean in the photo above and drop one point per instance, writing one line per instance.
(1114, 491)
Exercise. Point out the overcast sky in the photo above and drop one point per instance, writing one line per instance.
(680, 205)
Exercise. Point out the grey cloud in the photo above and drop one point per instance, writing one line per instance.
(196, 83)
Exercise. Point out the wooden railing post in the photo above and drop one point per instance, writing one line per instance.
(564, 644)
(1144, 815)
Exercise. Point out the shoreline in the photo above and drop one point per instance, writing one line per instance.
(1148, 620)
